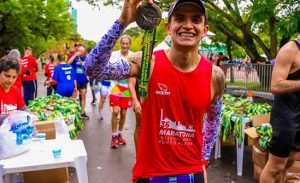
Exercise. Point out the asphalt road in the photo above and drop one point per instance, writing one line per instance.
(114, 165)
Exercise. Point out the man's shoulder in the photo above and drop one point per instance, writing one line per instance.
(289, 50)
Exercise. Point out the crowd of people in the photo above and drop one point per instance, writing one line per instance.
(64, 75)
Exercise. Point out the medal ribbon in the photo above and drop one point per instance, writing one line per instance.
(149, 41)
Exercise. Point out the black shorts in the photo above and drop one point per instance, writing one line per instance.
(81, 86)
(284, 141)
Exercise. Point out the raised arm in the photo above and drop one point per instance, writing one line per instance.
(97, 65)
(213, 116)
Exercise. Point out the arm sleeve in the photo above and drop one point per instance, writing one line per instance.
(97, 65)
(210, 128)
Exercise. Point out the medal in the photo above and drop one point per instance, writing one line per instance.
(148, 16)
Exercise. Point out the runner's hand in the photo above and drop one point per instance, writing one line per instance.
(137, 106)
(129, 11)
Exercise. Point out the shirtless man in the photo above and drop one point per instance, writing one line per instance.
(285, 114)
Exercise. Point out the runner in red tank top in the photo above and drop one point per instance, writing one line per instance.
(184, 87)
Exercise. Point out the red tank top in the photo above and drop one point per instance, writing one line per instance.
(170, 140)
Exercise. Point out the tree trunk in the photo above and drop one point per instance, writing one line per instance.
(273, 38)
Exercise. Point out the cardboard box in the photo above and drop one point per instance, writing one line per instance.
(258, 120)
(252, 135)
(259, 157)
(293, 178)
(47, 127)
(295, 168)
(298, 156)
(256, 172)
(59, 175)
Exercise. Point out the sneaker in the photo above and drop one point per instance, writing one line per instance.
(121, 140)
(100, 117)
(114, 142)
(93, 102)
(84, 116)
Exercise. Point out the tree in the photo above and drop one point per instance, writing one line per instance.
(137, 34)
(259, 27)
(34, 23)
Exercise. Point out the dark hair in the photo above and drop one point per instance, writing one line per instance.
(60, 57)
(77, 44)
(7, 63)
(7, 52)
(52, 58)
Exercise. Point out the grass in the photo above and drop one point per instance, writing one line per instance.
(251, 86)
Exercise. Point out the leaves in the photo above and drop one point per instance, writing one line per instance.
(34, 23)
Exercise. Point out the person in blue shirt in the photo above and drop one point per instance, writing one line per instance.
(64, 75)
(77, 61)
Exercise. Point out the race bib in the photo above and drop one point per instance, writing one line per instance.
(79, 70)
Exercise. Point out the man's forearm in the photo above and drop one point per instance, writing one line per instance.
(286, 86)
(211, 127)
(71, 60)
(97, 64)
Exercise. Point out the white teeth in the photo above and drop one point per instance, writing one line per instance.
(187, 34)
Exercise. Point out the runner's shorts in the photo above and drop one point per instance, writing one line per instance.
(284, 141)
(122, 102)
(103, 89)
(190, 178)
(81, 86)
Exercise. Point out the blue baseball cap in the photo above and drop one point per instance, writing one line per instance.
(178, 3)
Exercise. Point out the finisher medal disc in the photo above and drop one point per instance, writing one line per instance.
(148, 16)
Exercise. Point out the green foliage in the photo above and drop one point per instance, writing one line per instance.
(251, 86)
(254, 26)
(89, 44)
(137, 34)
(34, 23)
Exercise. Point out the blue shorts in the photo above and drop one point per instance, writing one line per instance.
(185, 178)
(104, 88)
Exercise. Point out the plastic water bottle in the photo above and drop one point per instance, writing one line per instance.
(18, 178)
(61, 129)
